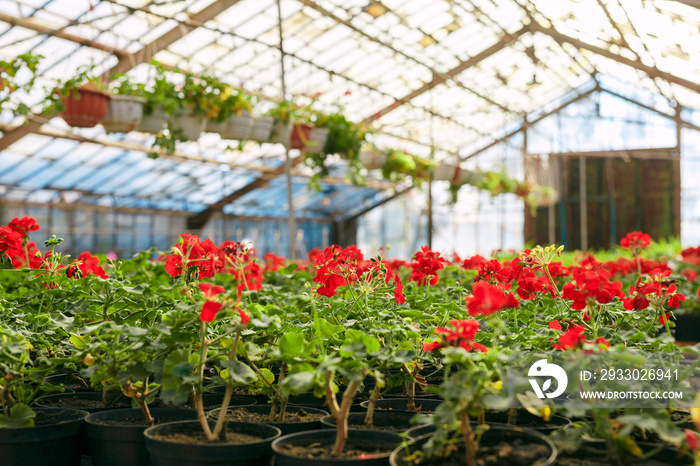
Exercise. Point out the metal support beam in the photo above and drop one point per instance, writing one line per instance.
(530, 123)
(42, 28)
(146, 54)
(440, 78)
(129, 61)
(436, 74)
(652, 109)
(198, 220)
(651, 71)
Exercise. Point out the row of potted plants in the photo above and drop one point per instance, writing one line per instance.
(194, 334)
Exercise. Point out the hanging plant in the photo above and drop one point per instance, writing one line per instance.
(81, 101)
(10, 85)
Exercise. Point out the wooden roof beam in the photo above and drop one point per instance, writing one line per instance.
(651, 71)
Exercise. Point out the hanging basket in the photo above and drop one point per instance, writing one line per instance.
(543, 170)
(445, 171)
(261, 130)
(87, 110)
(124, 113)
(281, 133)
(153, 122)
(190, 124)
(239, 126)
(372, 158)
(217, 127)
(300, 135)
(317, 140)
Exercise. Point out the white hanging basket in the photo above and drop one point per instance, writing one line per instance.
(154, 122)
(372, 159)
(467, 177)
(239, 126)
(281, 133)
(190, 123)
(217, 127)
(317, 140)
(262, 127)
(124, 113)
(445, 171)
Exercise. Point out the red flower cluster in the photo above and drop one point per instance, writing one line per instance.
(473, 263)
(623, 266)
(191, 253)
(690, 274)
(591, 286)
(460, 334)
(575, 338)
(530, 285)
(425, 266)
(486, 299)
(691, 256)
(273, 262)
(636, 241)
(334, 265)
(231, 257)
(87, 264)
(655, 290)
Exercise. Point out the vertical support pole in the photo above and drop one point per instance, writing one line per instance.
(287, 161)
(676, 170)
(430, 212)
(582, 202)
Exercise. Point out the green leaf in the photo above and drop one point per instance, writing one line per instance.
(292, 344)
(327, 330)
(299, 383)
(238, 373)
(20, 416)
(80, 342)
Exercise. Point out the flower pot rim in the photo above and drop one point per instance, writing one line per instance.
(275, 436)
(327, 432)
(291, 407)
(126, 97)
(503, 427)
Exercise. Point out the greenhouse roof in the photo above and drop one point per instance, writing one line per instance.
(443, 74)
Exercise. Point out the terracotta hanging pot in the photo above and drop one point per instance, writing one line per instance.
(87, 109)
(300, 135)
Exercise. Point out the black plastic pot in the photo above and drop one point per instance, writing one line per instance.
(525, 420)
(529, 421)
(55, 439)
(401, 404)
(594, 450)
(69, 383)
(366, 439)
(167, 453)
(493, 436)
(394, 421)
(286, 427)
(687, 328)
(77, 400)
(115, 443)
(210, 401)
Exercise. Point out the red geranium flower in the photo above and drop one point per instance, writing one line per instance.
(487, 299)
(635, 241)
(459, 333)
(398, 290)
(689, 274)
(209, 311)
(425, 266)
